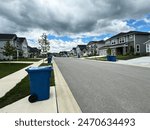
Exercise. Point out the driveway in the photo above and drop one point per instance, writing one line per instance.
(142, 61)
(105, 87)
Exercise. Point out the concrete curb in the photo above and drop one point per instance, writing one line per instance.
(65, 99)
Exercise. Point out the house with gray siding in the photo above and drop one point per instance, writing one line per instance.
(20, 43)
(147, 43)
(124, 43)
(81, 50)
(93, 47)
(12, 38)
(73, 52)
(33, 52)
(22, 46)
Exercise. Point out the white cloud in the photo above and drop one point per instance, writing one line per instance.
(32, 36)
(147, 20)
(67, 16)
(114, 26)
(106, 38)
(74, 18)
(59, 45)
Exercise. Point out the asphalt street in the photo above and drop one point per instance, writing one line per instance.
(101, 87)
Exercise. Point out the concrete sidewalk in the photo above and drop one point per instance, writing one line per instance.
(61, 100)
(10, 81)
(141, 62)
(24, 106)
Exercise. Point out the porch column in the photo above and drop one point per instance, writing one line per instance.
(17, 54)
(124, 50)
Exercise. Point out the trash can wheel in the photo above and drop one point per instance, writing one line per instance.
(33, 98)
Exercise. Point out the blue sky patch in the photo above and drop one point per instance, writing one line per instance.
(63, 38)
(140, 25)
(85, 39)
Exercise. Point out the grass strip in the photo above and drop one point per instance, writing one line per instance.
(21, 90)
(29, 59)
(127, 57)
(9, 68)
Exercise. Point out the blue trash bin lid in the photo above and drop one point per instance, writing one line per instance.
(41, 68)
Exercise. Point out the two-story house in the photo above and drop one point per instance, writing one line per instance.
(33, 52)
(73, 52)
(93, 47)
(22, 47)
(130, 42)
(12, 38)
(81, 50)
(18, 42)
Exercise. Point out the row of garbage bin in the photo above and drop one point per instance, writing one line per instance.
(39, 82)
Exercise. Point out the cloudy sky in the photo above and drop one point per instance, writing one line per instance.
(72, 22)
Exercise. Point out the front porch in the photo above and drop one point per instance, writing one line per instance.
(119, 49)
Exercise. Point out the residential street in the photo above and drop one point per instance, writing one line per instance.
(106, 87)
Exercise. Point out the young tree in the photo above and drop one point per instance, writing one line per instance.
(108, 51)
(9, 50)
(44, 43)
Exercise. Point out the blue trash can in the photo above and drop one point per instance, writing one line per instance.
(108, 58)
(111, 58)
(49, 60)
(39, 82)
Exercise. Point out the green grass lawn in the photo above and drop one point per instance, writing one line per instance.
(8, 68)
(127, 57)
(119, 57)
(28, 59)
(20, 91)
(98, 58)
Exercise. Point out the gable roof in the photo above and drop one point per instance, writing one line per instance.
(73, 48)
(7, 36)
(96, 42)
(82, 47)
(21, 39)
(33, 49)
(129, 33)
(63, 52)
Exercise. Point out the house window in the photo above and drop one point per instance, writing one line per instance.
(113, 43)
(122, 40)
(138, 48)
(147, 48)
